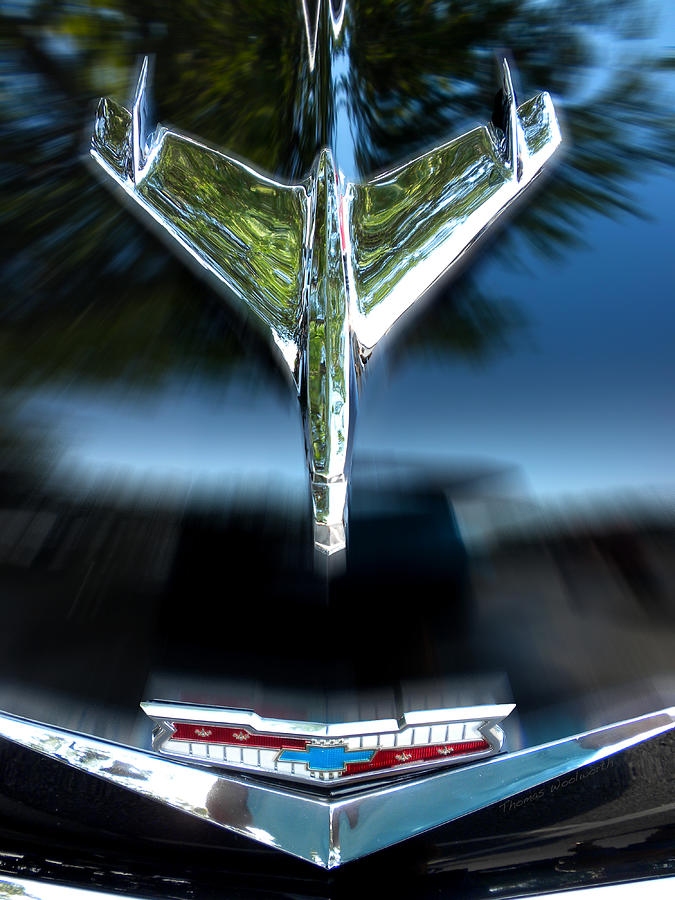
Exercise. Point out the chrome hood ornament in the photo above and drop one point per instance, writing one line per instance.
(327, 266)
(325, 753)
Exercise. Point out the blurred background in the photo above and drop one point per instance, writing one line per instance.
(513, 490)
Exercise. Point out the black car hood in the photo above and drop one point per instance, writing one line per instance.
(512, 521)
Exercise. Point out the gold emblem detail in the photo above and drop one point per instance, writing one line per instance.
(241, 736)
(445, 751)
(402, 757)
(203, 732)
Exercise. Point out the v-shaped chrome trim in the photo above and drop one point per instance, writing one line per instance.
(331, 830)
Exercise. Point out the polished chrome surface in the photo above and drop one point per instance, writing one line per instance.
(242, 740)
(325, 267)
(33, 889)
(654, 888)
(408, 226)
(330, 831)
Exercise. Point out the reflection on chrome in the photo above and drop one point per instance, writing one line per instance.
(326, 267)
(311, 30)
(335, 828)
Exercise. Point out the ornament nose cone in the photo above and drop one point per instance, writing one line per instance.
(329, 501)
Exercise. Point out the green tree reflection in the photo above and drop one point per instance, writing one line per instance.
(88, 293)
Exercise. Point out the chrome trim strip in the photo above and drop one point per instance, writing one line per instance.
(331, 831)
(30, 889)
(662, 888)
(217, 715)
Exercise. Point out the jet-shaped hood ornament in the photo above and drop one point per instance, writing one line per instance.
(327, 266)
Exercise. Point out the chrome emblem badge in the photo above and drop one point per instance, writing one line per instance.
(321, 752)
(325, 267)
